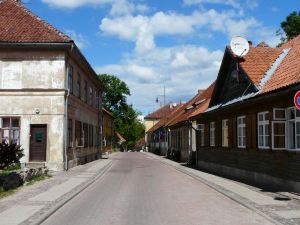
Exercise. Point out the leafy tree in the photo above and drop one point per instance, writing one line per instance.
(126, 117)
(290, 28)
(116, 92)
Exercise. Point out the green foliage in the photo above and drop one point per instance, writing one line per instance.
(126, 117)
(290, 28)
(116, 92)
(10, 154)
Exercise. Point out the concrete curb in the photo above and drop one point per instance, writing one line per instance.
(181, 169)
(62, 203)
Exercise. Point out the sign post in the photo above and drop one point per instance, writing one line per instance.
(297, 100)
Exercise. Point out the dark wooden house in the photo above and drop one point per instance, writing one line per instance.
(251, 130)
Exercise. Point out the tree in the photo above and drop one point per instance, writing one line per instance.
(290, 28)
(116, 92)
(126, 117)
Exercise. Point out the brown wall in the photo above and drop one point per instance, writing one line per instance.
(281, 164)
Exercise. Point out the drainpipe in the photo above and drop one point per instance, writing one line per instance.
(66, 116)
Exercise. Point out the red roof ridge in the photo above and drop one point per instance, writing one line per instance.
(63, 37)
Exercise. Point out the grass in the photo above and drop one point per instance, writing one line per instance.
(4, 194)
(37, 179)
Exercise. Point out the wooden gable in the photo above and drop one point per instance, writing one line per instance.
(232, 81)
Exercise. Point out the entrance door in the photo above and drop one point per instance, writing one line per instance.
(38, 143)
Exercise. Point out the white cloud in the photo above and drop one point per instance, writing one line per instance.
(80, 40)
(118, 7)
(182, 69)
(238, 4)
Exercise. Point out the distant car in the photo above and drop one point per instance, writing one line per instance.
(129, 151)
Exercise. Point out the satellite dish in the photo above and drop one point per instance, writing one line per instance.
(239, 46)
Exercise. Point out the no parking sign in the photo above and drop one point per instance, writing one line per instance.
(297, 100)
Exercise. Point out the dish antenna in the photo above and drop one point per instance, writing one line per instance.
(239, 46)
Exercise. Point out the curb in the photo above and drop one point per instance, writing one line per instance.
(61, 204)
(226, 194)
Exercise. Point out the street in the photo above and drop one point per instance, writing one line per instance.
(140, 190)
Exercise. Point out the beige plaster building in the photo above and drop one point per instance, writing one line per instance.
(50, 96)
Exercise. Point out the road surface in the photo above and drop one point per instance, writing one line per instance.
(141, 190)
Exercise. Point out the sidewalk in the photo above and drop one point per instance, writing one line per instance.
(33, 204)
(279, 208)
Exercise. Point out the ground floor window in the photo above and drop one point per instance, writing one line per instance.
(10, 130)
(79, 137)
(212, 138)
(263, 129)
(70, 132)
(201, 135)
(224, 133)
(91, 135)
(293, 129)
(278, 128)
(241, 131)
(86, 134)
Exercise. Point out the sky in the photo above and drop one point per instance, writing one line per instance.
(152, 44)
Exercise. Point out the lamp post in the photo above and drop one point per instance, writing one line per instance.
(164, 113)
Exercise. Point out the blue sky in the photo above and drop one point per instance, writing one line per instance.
(151, 44)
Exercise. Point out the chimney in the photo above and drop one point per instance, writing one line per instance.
(250, 43)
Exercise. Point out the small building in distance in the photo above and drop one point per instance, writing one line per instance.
(108, 132)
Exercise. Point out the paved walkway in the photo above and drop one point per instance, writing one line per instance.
(31, 204)
(282, 208)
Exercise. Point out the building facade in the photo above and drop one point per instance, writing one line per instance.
(109, 137)
(250, 130)
(50, 96)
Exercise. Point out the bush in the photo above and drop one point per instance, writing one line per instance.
(10, 154)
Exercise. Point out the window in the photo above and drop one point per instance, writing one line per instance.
(91, 135)
(78, 86)
(10, 130)
(70, 79)
(279, 114)
(70, 132)
(212, 138)
(85, 91)
(241, 131)
(263, 129)
(86, 134)
(79, 137)
(278, 128)
(293, 129)
(91, 96)
(224, 133)
(201, 135)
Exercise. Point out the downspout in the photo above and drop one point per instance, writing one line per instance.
(66, 115)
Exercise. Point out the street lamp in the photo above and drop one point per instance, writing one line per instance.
(164, 114)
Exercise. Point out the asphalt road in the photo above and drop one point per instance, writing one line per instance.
(140, 190)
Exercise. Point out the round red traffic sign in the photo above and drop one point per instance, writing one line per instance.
(297, 100)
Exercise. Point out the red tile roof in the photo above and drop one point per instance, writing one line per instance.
(162, 112)
(18, 24)
(288, 73)
(258, 61)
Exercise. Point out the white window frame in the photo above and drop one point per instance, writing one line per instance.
(262, 123)
(212, 130)
(225, 126)
(241, 135)
(279, 109)
(285, 136)
(201, 129)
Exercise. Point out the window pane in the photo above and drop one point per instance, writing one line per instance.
(298, 141)
(260, 117)
(6, 122)
(260, 140)
(297, 113)
(15, 123)
(5, 135)
(279, 129)
(297, 127)
(261, 129)
(266, 141)
(279, 142)
(266, 116)
(15, 136)
(267, 129)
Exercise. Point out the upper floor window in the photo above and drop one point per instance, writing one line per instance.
(85, 91)
(70, 79)
(241, 131)
(70, 132)
(224, 133)
(263, 129)
(91, 96)
(212, 137)
(78, 86)
(201, 135)
(10, 130)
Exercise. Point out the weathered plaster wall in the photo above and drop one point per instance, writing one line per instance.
(32, 70)
(31, 82)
